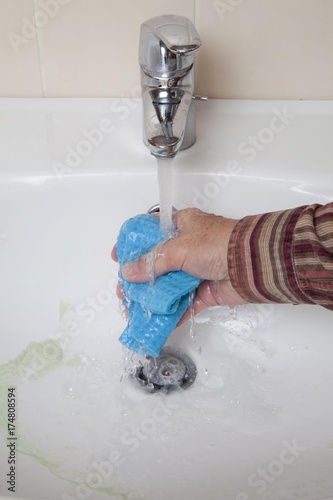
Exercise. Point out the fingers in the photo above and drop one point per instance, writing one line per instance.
(168, 256)
(119, 292)
(195, 249)
(121, 295)
(210, 294)
(114, 254)
(225, 294)
(135, 271)
(165, 257)
(204, 298)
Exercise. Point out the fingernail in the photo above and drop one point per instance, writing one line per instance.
(129, 270)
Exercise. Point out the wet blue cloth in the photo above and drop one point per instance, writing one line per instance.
(154, 309)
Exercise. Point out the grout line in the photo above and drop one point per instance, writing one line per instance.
(196, 6)
(196, 13)
(40, 54)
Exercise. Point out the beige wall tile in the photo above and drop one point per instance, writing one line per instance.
(256, 49)
(261, 49)
(20, 73)
(90, 48)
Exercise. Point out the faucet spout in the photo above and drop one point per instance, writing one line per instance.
(166, 57)
(166, 103)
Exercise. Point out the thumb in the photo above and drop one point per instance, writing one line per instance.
(160, 260)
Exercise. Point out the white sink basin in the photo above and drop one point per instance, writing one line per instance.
(257, 422)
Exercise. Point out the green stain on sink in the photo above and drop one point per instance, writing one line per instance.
(81, 477)
(36, 361)
(64, 308)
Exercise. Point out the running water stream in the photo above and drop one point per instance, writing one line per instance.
(165, 178)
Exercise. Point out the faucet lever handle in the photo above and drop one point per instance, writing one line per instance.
(166, 33)
(176, 32)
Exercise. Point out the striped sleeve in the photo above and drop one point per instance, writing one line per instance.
(284, 257)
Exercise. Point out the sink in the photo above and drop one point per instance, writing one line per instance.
(257, 421)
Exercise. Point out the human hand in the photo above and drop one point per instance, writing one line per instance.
(200, 249)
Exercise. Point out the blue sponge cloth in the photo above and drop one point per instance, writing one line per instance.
(154, 309)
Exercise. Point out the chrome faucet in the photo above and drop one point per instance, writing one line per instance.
(166, 57)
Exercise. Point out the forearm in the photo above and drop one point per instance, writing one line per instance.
(284, 257)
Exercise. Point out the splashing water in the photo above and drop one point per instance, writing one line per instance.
(150, 266)
(191, 306)
(131, 360)
(233, 312)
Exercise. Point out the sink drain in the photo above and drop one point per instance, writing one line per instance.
(155, 209)
(172, 370)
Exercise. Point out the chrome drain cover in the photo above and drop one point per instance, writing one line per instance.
(173, 369)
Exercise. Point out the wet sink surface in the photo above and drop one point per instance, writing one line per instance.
(257, 421)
